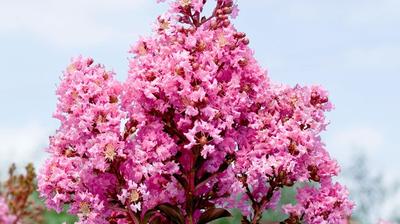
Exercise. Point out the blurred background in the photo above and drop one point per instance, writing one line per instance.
(352, 48)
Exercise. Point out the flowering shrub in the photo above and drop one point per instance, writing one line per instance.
(196, 129)
(16, 203)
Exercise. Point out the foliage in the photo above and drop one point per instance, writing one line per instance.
(16, 204)
(369, 191)
(52, 217)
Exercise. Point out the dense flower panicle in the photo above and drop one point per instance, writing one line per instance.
(204, 82)
(327, 204)
(88, 140)
(5, 216)
(197, 125)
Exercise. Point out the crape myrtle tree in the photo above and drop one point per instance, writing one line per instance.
(197, 129)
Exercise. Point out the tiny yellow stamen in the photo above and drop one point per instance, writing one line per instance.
(164, 24)
(74, 95)
(101, 119)
(134, 196)
(71, 68)
(110, 152)
(185, 2)
(84, 208)
(142, 49)
(222, 41)
(203, 140)
(293, 100)
(201, 46)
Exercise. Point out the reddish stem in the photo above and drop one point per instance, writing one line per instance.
(191, 175)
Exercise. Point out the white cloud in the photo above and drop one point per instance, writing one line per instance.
(350, 141)
(22, 145)
(64, 23)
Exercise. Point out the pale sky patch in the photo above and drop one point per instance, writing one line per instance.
(373, 58)
(65, 23)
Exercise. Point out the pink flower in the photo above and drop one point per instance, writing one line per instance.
(5, 215)
(328, 204)
(235, 11)
(197, 5)
(384, 222)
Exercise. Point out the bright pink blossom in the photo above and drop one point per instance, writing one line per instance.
(327, 204)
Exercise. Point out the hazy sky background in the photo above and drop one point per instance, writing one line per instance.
(351, 47)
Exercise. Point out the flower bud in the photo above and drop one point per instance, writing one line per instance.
(226, 23)
(243, 62)
(113, 99)
(179, 71)
(229, 3)
(89, 61)
(200, 46)
(227, 10)
(195, 66)
(214, 25)
(239, 35)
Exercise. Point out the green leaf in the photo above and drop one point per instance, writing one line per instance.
(213, 214)
(149, 214)
(157, 220)
(172, 212)
(181, 180)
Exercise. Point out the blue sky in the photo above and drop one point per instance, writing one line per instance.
(352, 48)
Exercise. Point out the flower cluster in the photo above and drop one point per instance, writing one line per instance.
(197, 128)
(88, 144)
(325, 205)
